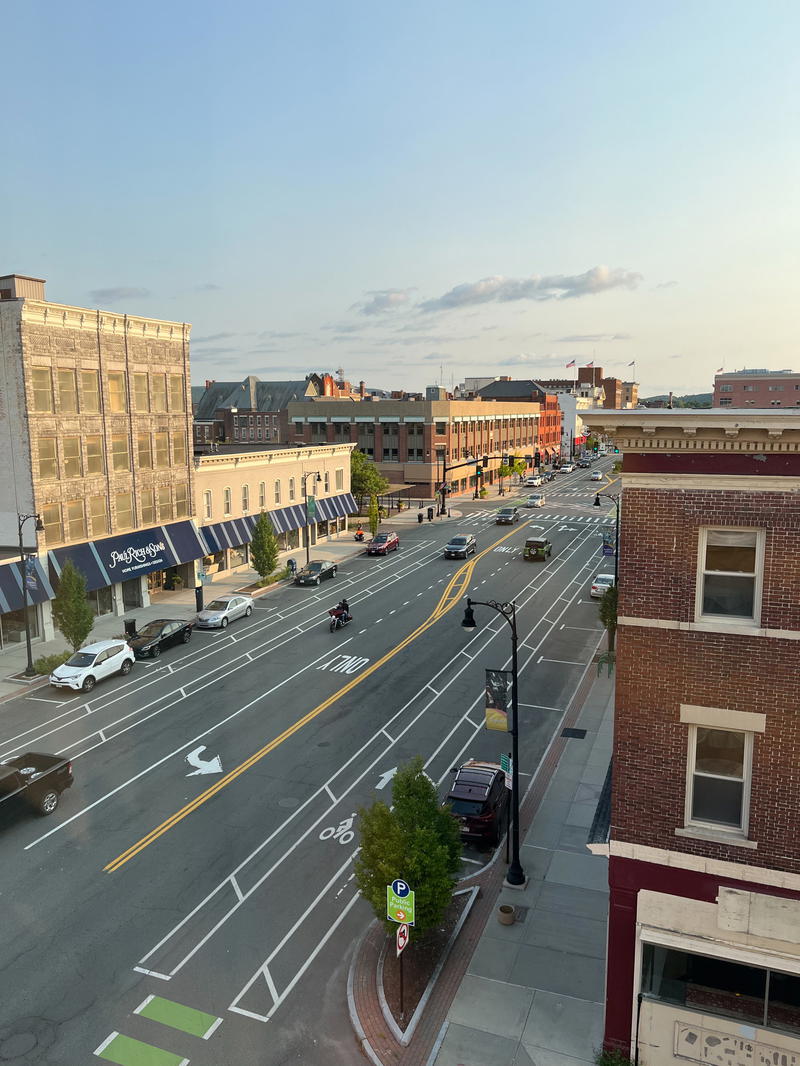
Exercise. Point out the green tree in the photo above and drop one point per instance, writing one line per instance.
(71, 611)
(416, 840)
(518, 465)
(374, 515)
(264, 547)
(608, 614)
(504, 470)
(365, 478)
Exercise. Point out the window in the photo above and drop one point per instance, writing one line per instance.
(258, 433)
(51, 520)
(123, 506)
(327, 481)
(729, 388)
(731, 578)
(745, 388)
(76, 520)
(725, 401)
(116, 392)
(441, 429)
(162, 450)
(226, 501)
(67, 392)
(776, 388)
(120, 457)
(98, 515)
(179, 448)
(298, 428)
(181, 500)
(159, 385)
(164, 503)
(177, 393)
(71, 453)
(141, 393)
(42, 388)
(262, 495)
(291, 489)
(339, 480)
(147, 503)
(236, 420)
(245, 498)
(90, 392)
(277, 492)
(252, 433)
(145, 451)
(207, 505)
(48, 460)
(719, 770)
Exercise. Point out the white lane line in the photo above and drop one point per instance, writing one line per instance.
(328, 790)
(236, 888)
(394, 611)
(99, 1051)
(152, 973)
(407, 603)
(388, 736)
(143, 1004)
(270, 984)
(361, 631)
(212, 1029)
(377, 620)
(540, 707)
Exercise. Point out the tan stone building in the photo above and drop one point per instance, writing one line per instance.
(96, 422)
(233, 487)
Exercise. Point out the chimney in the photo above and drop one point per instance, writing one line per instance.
(209, 383)
(362, 390)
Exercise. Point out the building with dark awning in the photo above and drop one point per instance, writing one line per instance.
(39, 586)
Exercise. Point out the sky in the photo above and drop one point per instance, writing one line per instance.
(415, 193)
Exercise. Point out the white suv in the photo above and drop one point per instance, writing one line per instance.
(86, 667)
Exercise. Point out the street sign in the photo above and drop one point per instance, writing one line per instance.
(400, 908)
(400, 888)
(311, 504)
(402, 938)
(507, 766)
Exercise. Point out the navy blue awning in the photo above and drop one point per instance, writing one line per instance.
(39, 587)
(237, 531)
(337, 506)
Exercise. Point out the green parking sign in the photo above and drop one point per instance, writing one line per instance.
(400, 903)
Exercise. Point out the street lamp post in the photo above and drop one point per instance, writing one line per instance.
(515, 875)
(614, 497)
(305, 477)
(21, 520)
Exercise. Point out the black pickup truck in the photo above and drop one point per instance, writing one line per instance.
(37, 778)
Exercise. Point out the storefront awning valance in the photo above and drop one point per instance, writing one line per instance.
(39, 587)
(238, 531)
(337, 506)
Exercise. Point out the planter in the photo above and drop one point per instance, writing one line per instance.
(506, 914)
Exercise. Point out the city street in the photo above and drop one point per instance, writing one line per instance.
(203, 857)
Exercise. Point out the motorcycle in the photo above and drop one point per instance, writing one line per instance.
(359, 536)
(339, 618)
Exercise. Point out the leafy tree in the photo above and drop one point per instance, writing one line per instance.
(365, 478)
(71, 611)
(504, 470)
(374, 515)
(416, 840)
(608, 614)
(264, 547)
(518, 465)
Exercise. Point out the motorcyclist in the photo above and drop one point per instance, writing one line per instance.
(344, 607)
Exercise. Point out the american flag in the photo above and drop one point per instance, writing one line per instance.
(570, 363)
(589, 364)
(633, 363)
(720, 369)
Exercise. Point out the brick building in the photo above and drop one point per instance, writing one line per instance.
(756, 388)
(96, 416)
(704, 849)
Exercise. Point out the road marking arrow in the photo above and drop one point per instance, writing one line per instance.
(386, 778)
(204, 766)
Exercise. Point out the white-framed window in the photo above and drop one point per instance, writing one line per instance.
(277, 492)
(776, 388)
(327, 477)
(718, 778)
(207, 504)
(262, 495)
(727, 388)
(291, 489)
(236, 420)
(252, 433)
(226, 501)
(730, 575)
(245, 498)
(339, 479)
(725, 401)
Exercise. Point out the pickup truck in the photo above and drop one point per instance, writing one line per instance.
(37, 778)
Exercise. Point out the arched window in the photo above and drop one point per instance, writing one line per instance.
(245, 498)
(226, 501)
(207, 503)
(277, 492)
(262, 495)
(291, 489)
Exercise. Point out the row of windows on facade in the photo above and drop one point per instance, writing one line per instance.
(440, 428)
(255, 433)
(726, 401)
(81, 519)
(277, 494)
(85, 455)
(71, 392)
(245, 420)
(754, 388)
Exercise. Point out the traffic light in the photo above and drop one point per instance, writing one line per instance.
(486, 460)
(537, 459)
(616, 451)
(505, 460)
(528, 460)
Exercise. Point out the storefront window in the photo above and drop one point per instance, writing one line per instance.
(76, 520)
(94, 454)
(124, 509)
(42, 388)
(117, 402)
(238, 555)
(67, 392)
(141, 394)
(213, 563)
(101, 600)
(12, 626)
(148, 505)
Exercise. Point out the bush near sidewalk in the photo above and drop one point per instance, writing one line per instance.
(46, 664)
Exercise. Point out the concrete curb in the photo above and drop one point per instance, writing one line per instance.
(355, 1021)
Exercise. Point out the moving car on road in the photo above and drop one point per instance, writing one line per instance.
(460, 546)
(478, 798)
(584, 464)
(535, 500)
(224, 609)
(37, 778)
(596, 476)
(317, 570)
(86, 667)
(600, 584)
(537, 548)
(534, 480)
(161, 633)
(567, 468)
(507, 516)
(383, 543)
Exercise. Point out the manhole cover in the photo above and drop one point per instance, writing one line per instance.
(576, 734)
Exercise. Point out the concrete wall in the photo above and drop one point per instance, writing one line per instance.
(16, 483)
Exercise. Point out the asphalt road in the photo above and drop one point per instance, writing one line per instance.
(155, 888)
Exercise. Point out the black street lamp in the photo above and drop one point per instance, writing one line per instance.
(615, 500)
(305, 477)
(515, 875)
(21, 520)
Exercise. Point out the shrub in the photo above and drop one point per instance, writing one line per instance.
(46, 664)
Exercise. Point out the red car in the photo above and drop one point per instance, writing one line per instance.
(383, 543)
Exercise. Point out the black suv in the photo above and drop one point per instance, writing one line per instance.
(479, 798)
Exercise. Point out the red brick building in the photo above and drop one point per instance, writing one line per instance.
(756, 388)
(704, 844)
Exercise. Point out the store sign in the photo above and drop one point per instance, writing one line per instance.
(132, 558)
(133, 554)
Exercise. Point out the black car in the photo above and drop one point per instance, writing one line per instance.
(478, 798)
(506, 516)
(158, 634)
(316, 571)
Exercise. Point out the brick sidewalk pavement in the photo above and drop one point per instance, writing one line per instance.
(378, 1042)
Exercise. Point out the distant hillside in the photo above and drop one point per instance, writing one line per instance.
(697, 399)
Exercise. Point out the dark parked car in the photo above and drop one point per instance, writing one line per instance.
(507, 516)
(316, 571)
(383, 543)
(151, 639)
(479, 798)
(37, 778)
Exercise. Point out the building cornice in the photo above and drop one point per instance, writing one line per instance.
(217, 461)
(708, 430)
(703, 864)
(45, 313)
(711, 482)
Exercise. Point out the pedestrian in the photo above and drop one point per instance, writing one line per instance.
(292, 567)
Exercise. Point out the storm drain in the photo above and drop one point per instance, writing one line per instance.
(574, 734)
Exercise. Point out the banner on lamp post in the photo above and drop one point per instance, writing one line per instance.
(499, 685)
(608, 542)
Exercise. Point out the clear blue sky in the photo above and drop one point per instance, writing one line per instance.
(392, 189)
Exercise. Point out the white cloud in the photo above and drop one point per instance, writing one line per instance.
(379, 301)
(594, 338)
(500, 289)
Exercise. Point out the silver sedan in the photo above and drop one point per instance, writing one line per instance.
(224, 609)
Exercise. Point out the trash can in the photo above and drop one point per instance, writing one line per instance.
(419, 518)
(130, 627)
(430, 514)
